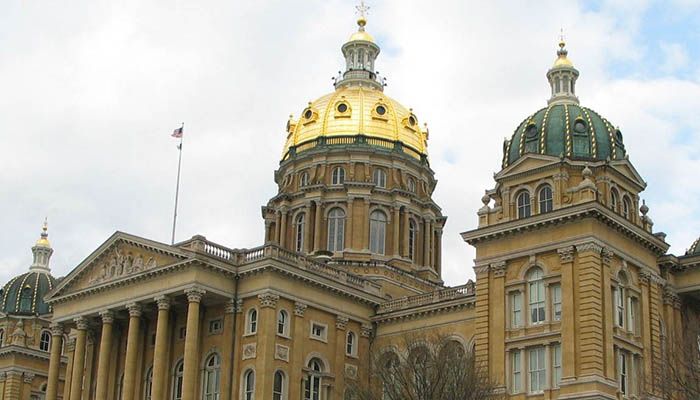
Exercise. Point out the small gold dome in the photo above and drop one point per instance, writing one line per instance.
(356, 110)
(361, 34)
(562, 57)
(44, 239)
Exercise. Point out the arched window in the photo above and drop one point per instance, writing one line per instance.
(412, 231)
(212, 377)
(312, 386)
(249, 385)
(282, 323)
(351, 343)
(545, 199)
(2, 337)
(25, 300)
(278, 386)
(45, 341)
(614, 199)
(148, 385)
(304, 179)
(177, 380)
(537, 296)
(252, 323)
(626, 207)
(377, 232)
(299, 233)
(411, 185)
(379, 177)
(523, 200)
(338, 176)
(336, 229)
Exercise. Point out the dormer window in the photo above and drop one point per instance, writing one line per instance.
(580, 126)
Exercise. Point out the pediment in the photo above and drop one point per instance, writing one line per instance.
(626, 168)
(121, 256)
(528, 162)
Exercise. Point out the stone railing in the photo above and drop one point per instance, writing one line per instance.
(450, 293)
(356, 140)
(239, 257)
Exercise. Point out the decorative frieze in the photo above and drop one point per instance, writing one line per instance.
(481, 269)
(299, 308)
(281, 352)
(566, 254)
(268, 300)
(499, 269)
(120, 263)
(29, 377)
(644, 277)
(249, 350)
(366, 330)
(589, 247)
(607, 255)
(341, 322)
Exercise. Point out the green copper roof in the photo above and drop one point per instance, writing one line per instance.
(25, 293)
(566, 130)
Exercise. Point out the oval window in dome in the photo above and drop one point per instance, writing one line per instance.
(412, 120)
(618, 135)
(531, 131)
(308, 114)
(381, 110)
(579, 126)
(342, 107)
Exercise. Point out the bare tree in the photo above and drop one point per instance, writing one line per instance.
(426, 368)
(680, 377)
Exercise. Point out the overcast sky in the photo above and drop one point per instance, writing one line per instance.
(91, 91)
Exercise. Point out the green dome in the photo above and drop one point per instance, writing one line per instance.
(565, 130)
(694, 250)
(25, 293)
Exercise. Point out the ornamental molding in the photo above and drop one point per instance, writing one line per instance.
(28, 377)
(366, 330)
(232, 306)
(589, 247)
(351, 371)
(81, 323)
(268, 300)
(107, 316)
(299, 308)
(498, 268)
(671, 297)
(644, 277)
(195, 294)
(566, 254)
(56, 329)
(607, 256)
(481, 269)
(281, 352)
(70, 344)
(341, 322)
(163, 302)
(249, 351)
(135, 309)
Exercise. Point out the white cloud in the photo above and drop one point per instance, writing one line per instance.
(675, 57)
(92, 91)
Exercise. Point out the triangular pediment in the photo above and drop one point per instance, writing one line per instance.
(120, 256)
(528, 162)
(626, 168)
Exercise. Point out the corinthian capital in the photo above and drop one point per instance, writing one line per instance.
(135, 309)
(81, 323)
(56, 329)
(107, 316)
(195, 294)
(163, 302)
(268, 300)
(566, 254)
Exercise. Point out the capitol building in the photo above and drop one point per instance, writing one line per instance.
(575, 294)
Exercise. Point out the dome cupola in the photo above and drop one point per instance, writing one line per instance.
(565, 128)
(24, 294)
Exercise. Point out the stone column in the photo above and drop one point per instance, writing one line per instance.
(349, 226)
(105, 357)
(438, 251)
(426, 242)
(406, 233)
(70, 350)
(277, 228)
(132, 351)
(189, 385)
(307, 229)
(568, 315)
(160, 359)
(317, 227)
(76, 386)
(396, 228)
(283, 228)
(54, 362)
(365, 233)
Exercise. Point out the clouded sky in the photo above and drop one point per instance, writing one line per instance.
(91, 91)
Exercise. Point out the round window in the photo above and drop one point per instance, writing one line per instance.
(308, 114)
(381, 110)
(618, 135)
(531, 131)
(342, 107)
(411, 120)
(579, 126)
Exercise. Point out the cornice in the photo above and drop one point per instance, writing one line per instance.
(565, 215)
(428, 309)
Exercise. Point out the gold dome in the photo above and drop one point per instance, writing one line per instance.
(44, 239)
(361, 34)
(562, 57)
(356, 110)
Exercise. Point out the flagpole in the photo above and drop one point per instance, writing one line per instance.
(177, 185)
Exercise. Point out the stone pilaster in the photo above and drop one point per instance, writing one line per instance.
(299, 325)
(283, 228)
(191, 362)
(318, 218)
(568, 315)
(70, 351)
(54, 361)
(13, 385)
(266, 343)
(590, 286)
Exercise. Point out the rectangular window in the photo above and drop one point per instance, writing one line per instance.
(556, 302)
(619, 307)
(632, 307)
(536, 302)
(556, 364)
(516, 305)
(537, 370)
(215, 326)
(183, 333)
(516, 375)
(622, 372)
(318, 331)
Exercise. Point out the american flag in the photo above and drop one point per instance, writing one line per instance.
(177, 133)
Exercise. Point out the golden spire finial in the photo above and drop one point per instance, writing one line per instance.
(44, 239)
(363, 10)
(562, 43)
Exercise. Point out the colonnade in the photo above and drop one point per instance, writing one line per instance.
(105, 364)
